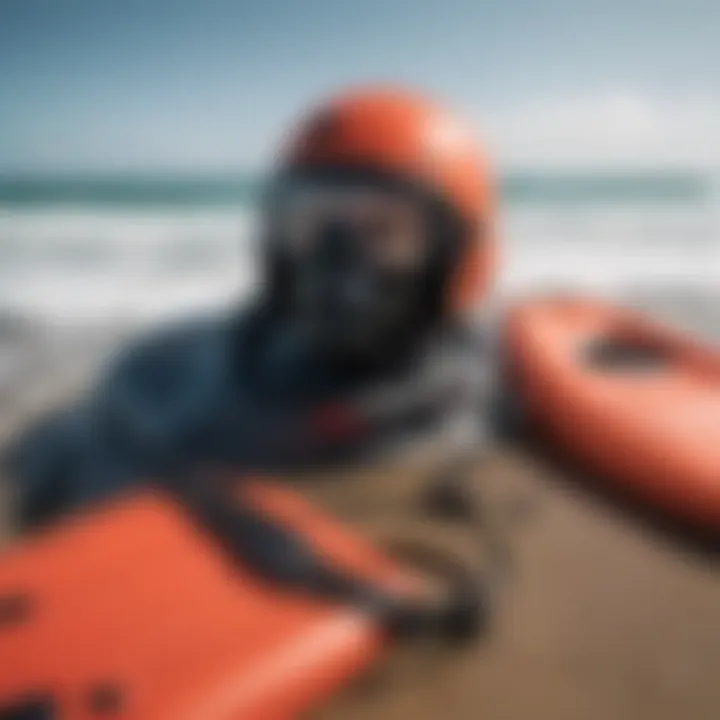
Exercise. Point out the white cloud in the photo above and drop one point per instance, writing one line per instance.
(616, 128)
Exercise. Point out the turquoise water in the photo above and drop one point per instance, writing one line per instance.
(530, 188)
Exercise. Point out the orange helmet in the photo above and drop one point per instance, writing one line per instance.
(407, 137)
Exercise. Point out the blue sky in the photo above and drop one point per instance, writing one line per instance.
(116, 84)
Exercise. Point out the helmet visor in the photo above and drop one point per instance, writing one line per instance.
(389, 228)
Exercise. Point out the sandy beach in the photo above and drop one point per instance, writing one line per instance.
(610, 614)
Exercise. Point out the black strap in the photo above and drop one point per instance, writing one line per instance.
(285, 558)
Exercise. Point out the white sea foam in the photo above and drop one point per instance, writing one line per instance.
(611, 249)
(75, 264)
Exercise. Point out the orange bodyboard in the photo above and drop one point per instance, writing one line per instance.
(647, 420)
(135, 612)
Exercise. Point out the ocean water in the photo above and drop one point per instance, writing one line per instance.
(98, 249)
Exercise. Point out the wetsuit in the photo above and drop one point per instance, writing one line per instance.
(247, 394)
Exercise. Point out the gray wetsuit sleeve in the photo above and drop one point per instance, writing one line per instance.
(123, 431)
(62, 462)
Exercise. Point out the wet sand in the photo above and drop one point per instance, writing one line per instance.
(606, 617)
(610, 614)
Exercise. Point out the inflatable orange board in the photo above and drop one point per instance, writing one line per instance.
(135, 613)
(634, 400)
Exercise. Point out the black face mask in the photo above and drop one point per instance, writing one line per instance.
(347, 306)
